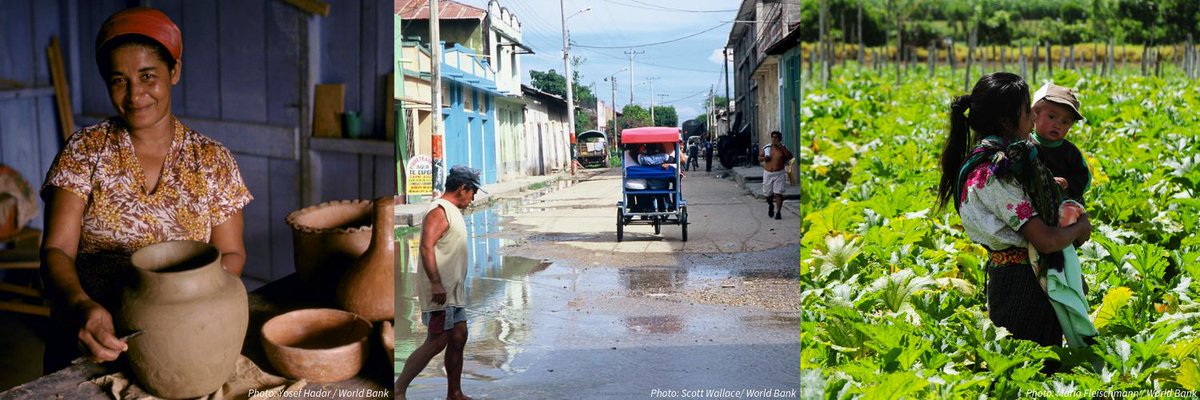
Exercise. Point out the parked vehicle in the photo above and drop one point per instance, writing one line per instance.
(592, 147)
(693, 128)
(736, 147)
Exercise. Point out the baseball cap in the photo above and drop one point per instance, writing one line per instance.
(467, 175)
(1059, 95)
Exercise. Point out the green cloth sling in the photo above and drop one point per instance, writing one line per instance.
(1065, 289)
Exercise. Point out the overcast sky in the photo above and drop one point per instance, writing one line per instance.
(686, 68)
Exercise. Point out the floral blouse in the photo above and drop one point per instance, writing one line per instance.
(993, 210)
(199, 187)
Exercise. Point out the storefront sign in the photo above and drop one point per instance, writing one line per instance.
(420, 176)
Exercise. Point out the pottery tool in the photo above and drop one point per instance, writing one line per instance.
(123, 339)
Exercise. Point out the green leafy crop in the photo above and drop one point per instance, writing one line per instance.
(893, 290)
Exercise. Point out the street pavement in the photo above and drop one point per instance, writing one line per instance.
(559, 309)
(723, 219)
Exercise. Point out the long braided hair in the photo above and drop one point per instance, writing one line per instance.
(995, 106)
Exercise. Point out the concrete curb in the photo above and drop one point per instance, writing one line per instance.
(747, 174)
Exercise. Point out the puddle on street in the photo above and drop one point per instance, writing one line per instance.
(520, 306)
(779, 321)
(497, 297)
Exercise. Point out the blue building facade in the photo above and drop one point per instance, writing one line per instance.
(469, 92)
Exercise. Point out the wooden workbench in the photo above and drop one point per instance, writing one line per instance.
(266, 302)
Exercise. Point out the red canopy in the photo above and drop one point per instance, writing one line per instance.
(650, 135)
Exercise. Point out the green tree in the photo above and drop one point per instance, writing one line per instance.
(1006, 21)
(550, 82)
(634, 116)
(873, 25)
(583, 94)
(665, 116)
(721, 102)
(554, 83)
(996, 28)
(584, 120)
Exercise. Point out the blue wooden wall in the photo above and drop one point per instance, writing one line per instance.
(29, 135)
(246, 82)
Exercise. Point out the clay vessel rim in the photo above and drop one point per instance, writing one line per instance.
(294, 215)
(357, 319)
(207, 253)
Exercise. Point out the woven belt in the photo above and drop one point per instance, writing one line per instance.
(1010, 256)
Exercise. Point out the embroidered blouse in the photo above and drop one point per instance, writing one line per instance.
(993, 210)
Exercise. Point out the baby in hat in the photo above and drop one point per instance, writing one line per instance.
(1055, 111)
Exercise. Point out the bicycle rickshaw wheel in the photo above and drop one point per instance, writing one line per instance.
(620, 225)
(683, 222)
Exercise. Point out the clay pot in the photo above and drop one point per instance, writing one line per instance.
(327, 238)
(193, 315)
(367, 288)
(321, 345)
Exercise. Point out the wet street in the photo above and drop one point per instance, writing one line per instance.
(559, 309)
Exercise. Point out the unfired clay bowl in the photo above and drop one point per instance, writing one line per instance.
(321, 345)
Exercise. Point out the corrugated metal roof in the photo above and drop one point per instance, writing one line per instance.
(447, 9)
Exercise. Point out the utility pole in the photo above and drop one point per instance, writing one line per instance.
(728, 100)
(664, 96)
(613, 136)
(651, 80)
(712, 113)
(435, 84)
(612, 78)
(598, 127)
(631, 53)
(567, 65)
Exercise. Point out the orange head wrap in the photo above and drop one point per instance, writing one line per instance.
(142, 21)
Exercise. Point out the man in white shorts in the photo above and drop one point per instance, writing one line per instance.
(774, 158)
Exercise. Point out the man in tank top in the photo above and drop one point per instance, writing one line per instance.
(440, 282)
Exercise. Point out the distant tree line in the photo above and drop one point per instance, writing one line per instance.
(634, 116)
(1004, 22)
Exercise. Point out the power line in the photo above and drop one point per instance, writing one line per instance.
(616, 25)
(656, 43)
(655, 7)
(686, 97)
(597, 52)
(532, 24)
(678, 68)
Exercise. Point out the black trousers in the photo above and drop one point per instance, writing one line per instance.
(1016, 301)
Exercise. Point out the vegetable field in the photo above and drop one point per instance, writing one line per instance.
(892, 288)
